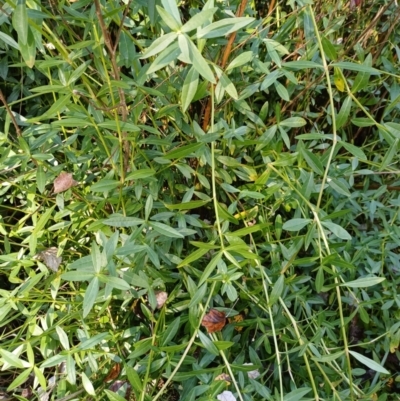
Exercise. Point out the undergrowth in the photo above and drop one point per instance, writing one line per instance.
(161, 161)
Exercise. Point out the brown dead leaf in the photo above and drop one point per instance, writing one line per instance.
(113, 373)
(161, 297)
(49, 258)
(214, 321)
(63, 182)
(225, 377)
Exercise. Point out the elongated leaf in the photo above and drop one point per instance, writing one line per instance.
(159, 44)
(297, 395)
(90, 296)
(344, 113)
(293, 122)
(199, 19)
(104, 185)
(277, 290)
(187, 205)
(198, 61)
(369, 363)
(172, 9)
(347, 65)
(210, 268)
(117, 220)
(193, 257)
(364, 282)
(20, 22)
(44, 218)
(223, 27)
(169, 19)
(8, 40)
(313, 161)
(163, 229)
(140, 174)
(115, 282)
(337, 230)
(183, 151)
(296, 224)
(189, 88)
(77, 276)
(240, 60)
(167, 56)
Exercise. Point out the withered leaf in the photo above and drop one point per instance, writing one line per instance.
(63, 182)
(113, 373)
(161, 297)
(50, 258)
(214, 321)
(225, 377)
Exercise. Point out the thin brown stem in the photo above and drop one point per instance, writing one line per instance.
(224, 60)
(14, 121)
(111, 48)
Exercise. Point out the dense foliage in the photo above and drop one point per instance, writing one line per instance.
(161, 160)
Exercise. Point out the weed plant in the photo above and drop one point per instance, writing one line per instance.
(160, 160)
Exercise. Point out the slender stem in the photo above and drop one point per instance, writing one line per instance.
(10, 113)
(324, 179)
(215, 201)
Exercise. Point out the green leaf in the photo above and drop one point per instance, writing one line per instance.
(163, 229)
(193, 256)
(198, 19)
(363, 282)
(293, 122)
(282, 91)
(169, 20)
(240, 60)
(198, 295)
(20, 22)
(277, 290)
(369, 362)
(302, 65)
(344, 113)
(189, 88)
(198, 61)
(228, 86)
(313, 161)
(389, 155)
(296, 224)
(210, 268)
(8, 40)
(57, 108)
(114, 282)
(329, 49)
(20, 379)
(12, 359)
(223, 27)
(44, 218)
(337, 230)
(134, 378)
(117, 220)
(159, 44)
(104, 185)
(187, 205)
(140, 174)
(183, 151)
(171, 331)
(170, 54)
(347, 65)
(297, 395)
(172, 9)
(90, 296)
(40, 179)
(339, 187)
(208, 344)
(91, 342)
(87, 384)
(112, 396)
